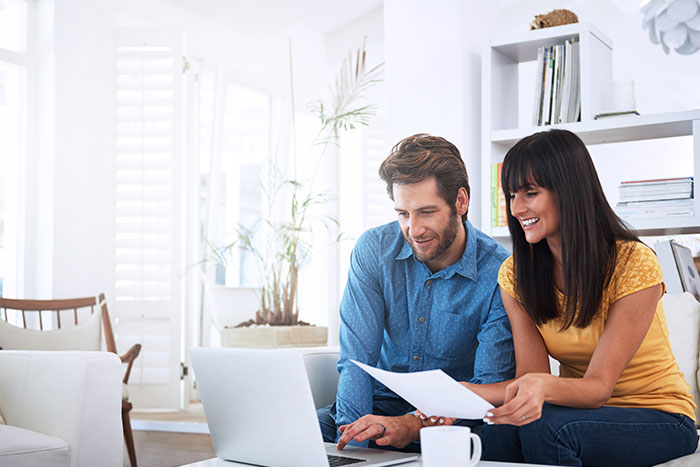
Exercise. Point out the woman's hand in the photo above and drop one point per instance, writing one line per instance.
(523, 401)
(433, 420)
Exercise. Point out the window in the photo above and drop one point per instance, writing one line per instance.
(13, 25)
(13, 111)
(148, 210)
(230, 175)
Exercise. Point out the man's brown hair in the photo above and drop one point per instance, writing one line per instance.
(422, 156)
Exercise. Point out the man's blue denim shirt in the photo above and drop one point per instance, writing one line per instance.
(397, 315)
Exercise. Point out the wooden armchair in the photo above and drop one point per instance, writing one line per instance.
(74, 336)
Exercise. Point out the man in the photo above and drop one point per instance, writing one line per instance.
(421, 294)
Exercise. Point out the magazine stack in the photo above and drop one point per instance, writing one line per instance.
(557, 85)
(659, 198)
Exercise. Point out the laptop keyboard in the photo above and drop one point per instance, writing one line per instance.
(334, 461)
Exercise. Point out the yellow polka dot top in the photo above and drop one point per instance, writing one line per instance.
(652, 379)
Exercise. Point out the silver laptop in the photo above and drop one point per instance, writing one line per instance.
(260, 411)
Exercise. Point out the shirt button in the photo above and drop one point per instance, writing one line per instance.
(421, 319)
(416, 358)
(430, 281)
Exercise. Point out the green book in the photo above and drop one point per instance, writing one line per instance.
(494, 195)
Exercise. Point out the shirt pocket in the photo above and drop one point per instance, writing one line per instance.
(452, 335)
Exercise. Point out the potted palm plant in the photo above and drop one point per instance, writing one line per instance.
(282, 244)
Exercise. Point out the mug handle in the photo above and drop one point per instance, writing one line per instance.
(476, 453)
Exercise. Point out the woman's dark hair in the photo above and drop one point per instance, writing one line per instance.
(559, 161)
(420, 156)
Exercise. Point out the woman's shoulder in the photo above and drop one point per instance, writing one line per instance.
(636, 268)
(506, 275)
(634, 254)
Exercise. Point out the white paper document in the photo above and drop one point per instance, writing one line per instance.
(432, 392)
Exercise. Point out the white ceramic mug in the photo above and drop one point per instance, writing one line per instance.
(449, 446)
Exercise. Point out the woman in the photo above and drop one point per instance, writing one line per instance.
(581, 287)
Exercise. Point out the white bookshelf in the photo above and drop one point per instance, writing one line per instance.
(500, 98)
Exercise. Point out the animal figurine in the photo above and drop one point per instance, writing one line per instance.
(554, 18)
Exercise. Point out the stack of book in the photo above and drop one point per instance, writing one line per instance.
(664, 197)
(557, 85)
(498, 198)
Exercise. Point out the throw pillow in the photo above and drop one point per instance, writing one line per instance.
(683, 320)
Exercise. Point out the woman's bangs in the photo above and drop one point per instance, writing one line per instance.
(517, 176)
(523, 172)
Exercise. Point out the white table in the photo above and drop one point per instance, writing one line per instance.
(216, 462)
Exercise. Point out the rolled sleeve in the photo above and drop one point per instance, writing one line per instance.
(361, 329)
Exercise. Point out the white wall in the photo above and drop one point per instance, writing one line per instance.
(69, 165)
(433, 84)
(424, 69)
(83, 147)
(36, 273)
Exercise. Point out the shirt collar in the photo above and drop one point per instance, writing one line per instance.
(465, 266)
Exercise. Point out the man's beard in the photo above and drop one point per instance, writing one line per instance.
(447, 237)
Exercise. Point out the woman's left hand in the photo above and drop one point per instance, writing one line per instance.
(427, 420)
(523, 401)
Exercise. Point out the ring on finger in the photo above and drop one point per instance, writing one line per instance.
(383, 429)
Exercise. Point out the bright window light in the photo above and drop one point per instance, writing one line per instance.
(13, 112)
(13, 25)
(12, 151)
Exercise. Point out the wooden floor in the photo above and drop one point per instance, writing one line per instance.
(165, 449)
(168, 449)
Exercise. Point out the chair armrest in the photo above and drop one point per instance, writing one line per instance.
(73, 395)
(682, 313)
(129, 358)
(321, 368)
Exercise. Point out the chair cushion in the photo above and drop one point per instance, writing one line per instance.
(85, 336)
(683, 319)
(321, 369)
(20, 447)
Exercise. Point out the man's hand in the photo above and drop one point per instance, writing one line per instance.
(385, 431)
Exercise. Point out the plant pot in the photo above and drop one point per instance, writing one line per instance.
(268, 337)
(233, 305)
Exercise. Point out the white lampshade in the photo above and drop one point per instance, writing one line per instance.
(675, 24)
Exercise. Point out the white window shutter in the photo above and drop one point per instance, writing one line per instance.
(377, 208)
(146, 289)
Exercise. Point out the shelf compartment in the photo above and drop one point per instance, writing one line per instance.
(522, 47)
(613, 129)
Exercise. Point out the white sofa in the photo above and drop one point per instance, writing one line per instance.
(683, 319)
(61, 408)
